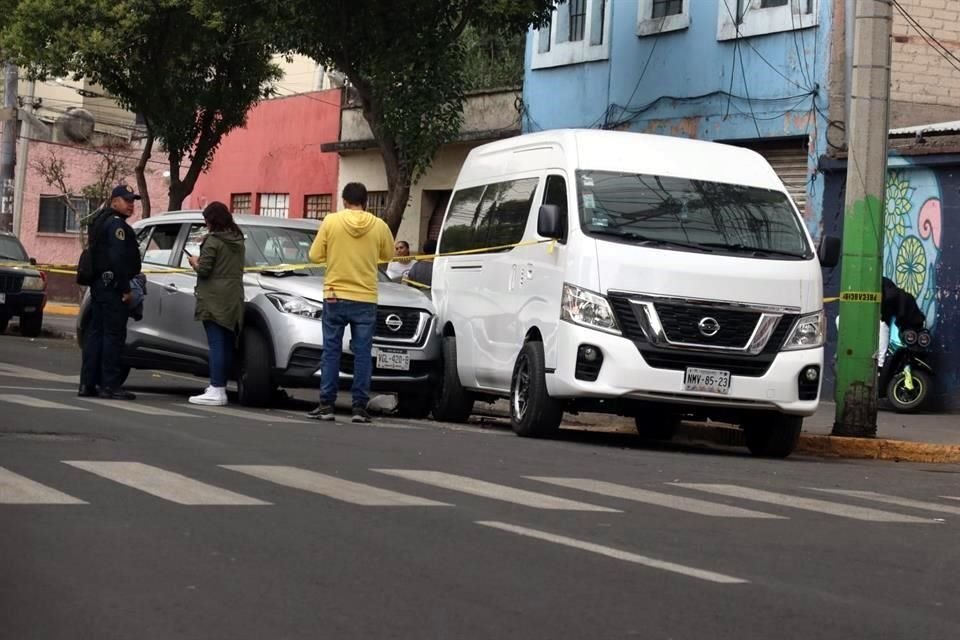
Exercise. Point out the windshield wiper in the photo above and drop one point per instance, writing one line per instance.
(757, 251)
(641, 239)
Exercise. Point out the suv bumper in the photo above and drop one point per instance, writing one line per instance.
(22, 302)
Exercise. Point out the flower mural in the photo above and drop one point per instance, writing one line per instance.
(912, 225)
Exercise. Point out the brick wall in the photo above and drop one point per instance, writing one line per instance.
(925, 87)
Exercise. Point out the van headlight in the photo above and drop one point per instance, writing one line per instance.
(33, 283)
(588, 309)
(296, 305)
(809, 332)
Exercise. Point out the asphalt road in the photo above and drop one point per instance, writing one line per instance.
(157, 519)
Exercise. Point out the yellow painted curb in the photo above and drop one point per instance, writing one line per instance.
(55, 309)
(877, 449)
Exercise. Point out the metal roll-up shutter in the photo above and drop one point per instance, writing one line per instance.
(789, 160)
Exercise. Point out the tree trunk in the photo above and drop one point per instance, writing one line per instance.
(398, 193)
(140, 172)
(208, 141)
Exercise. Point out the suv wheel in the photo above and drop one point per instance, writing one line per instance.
(414, 404)
(533, 413)
(4, 321)
(31, 325)
(254, 385)
(453, 402)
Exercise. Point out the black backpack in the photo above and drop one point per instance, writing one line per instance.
(85, 271)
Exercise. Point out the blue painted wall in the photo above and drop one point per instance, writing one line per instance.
(681, 92)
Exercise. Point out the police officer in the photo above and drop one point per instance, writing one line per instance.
(116, 259)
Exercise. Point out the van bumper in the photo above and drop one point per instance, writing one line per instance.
(625, 375)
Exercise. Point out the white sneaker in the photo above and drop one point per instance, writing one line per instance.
(212, 396)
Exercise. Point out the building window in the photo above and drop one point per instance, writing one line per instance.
(377, 203)
(745, 18)
(578, 31)
(317, 206)
(241, 203)
(275, 205)
(62, 214)
(659, 16)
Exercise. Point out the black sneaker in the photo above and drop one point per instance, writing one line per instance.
(87, 391)
(360, 415)
(116, 394)
(323, 411)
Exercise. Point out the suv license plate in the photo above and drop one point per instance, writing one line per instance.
(3, 298)
(393, 360)
(707, 381)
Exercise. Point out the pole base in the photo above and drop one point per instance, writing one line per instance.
(857, 414)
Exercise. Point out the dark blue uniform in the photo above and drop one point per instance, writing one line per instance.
(116, 259)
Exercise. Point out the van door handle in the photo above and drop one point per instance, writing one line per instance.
(172, 288)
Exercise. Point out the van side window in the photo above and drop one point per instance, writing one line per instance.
(555, 193)
(488, 216)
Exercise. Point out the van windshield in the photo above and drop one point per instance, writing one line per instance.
(690, 215)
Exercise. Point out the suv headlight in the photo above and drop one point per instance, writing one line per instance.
(808, 333)
(588, 309)
(296, 305)
(33, 283)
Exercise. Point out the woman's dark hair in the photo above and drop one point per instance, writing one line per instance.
(218, 216)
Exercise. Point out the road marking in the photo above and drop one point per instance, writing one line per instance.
(150, 410)
(949, 498)
(617, 554)
(344, 418)
(164, 484)
(15, 489)
(807, 504)
(332, 487)
(37, 403)
(903, 502)
(690, 505)
(71, 390)
(16, 371)
(494, 491)
(246, 415)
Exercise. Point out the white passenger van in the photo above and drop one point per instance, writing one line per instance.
(655, 277)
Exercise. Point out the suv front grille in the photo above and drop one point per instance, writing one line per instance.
(10, 283)
(409, 320)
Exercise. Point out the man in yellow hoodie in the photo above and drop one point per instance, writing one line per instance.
(351, 243)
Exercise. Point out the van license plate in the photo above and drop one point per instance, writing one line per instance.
(393, 360)
(707, 381)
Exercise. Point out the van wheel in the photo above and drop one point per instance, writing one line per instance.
(533, 413)
(31, 325)
(254, 386)
(4, 321)
(772, 435)
(453, 403)
(414, 405)
(657, 424)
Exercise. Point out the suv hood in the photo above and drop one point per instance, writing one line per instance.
(391, 294)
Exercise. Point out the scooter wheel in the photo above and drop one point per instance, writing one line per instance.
(906, 400)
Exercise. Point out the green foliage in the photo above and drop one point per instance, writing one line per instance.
(492, 59)
(192, 68)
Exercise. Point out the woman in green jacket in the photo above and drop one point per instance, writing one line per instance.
(219, 294)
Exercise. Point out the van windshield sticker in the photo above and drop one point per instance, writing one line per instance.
(587, 181)
(588, 201)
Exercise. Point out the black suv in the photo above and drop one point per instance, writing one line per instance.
(23, 290)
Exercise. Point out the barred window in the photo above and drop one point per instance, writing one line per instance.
(578, 19)
(57, 216)
(275, 205)
(241, 203)
(317, 206)
(664, 8)
(377, 203)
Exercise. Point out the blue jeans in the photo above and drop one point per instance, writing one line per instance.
(362, 318)
(221, 341)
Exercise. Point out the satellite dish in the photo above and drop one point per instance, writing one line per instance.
(76, 125)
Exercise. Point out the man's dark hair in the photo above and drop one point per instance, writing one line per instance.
(429, 247)
(356, 194)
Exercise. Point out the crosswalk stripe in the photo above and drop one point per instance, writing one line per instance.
(618, 554)
(950, 497)
(150, 410)
(333, 487)
(377, 422)
(165, 484)
(494, 491)
(807, 504)
(17, 371)
(679, 503)
(246, 415)
(16, 489)
(902, 502)
(37, 403)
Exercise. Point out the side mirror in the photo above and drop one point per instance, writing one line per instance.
(550, 223)
(33, 261)
(829, 251)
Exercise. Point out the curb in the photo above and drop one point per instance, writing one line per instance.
(55, 309)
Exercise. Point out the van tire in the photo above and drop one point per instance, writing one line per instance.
(772, 435)
(656, 424)
(452, 403)
(533, 413)
(4, 321)
(254, 385)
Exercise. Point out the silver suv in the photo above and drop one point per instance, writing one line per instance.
(282, 339)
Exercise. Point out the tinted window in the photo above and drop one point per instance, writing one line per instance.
(647, 209)
(488, 216)
(160, 245)
(11, 249)
(555, 193)
(142, 237)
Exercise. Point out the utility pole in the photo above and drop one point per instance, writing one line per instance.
(8, 141)
(23, 150)
(863, 222)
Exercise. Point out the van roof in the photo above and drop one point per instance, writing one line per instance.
(622, 151)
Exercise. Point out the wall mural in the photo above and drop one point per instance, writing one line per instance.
(912, 233)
